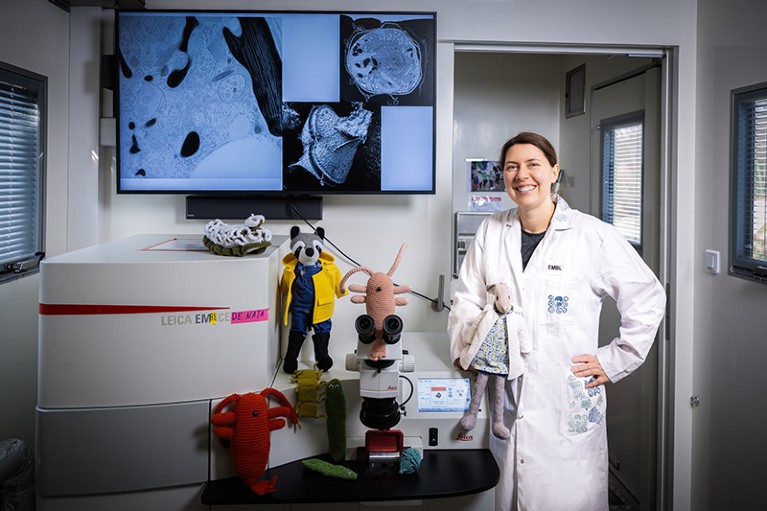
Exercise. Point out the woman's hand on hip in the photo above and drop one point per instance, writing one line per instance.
(588, 365)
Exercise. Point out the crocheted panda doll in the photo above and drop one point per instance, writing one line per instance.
(310, 283)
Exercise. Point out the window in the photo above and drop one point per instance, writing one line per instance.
(22, 107)
(622, 170)
(748, 218)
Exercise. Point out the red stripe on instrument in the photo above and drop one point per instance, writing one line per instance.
(66, 309)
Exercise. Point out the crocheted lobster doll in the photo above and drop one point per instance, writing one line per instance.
(245, 431)
(379, 297)
(497, 339)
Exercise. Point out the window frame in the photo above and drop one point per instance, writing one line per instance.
(609, 124)
(741, 214)
(28, 264)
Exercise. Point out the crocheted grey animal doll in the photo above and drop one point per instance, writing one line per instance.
(498, 338)
(310, 282)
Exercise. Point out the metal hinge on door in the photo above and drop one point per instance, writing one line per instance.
(694, 401)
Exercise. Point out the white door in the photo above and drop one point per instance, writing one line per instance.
(632, 412)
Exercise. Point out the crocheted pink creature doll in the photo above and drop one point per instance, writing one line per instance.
(379, 298)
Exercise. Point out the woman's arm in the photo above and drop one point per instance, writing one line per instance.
(640, 299)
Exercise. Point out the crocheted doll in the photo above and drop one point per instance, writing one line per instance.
(497, 339)
(246, 429)
(310, 283)
(335, 406)
(379, 297)
(237, 240)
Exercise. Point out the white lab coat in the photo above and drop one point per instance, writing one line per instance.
(556, 457)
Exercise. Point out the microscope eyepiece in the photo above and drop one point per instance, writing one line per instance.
(392, 329)
(366, 328)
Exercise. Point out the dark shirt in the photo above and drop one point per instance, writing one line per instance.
(529, 242)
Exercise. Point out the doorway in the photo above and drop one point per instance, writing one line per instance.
(499, 92)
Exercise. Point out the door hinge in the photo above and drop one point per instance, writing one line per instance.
(694, 401)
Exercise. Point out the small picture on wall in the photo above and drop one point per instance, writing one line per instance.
(575, 91)
(484, 175)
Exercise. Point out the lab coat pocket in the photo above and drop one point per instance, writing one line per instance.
(585, 407)
(560, 302)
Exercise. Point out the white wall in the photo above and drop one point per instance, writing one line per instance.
(34, 35)
(497, 95)
(422, 221)
(730, 334)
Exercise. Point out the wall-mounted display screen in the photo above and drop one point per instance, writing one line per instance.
(291, 103)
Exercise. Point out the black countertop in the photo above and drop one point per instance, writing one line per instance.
(443, 473)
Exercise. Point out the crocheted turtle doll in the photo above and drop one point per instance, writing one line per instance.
(497, 338)
(310, 282)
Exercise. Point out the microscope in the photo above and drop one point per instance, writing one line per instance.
(380, 388)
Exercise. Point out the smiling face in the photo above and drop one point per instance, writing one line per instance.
(528, 176)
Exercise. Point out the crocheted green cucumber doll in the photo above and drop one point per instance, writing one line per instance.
(310, 282)
(330, 470)
(335, 408)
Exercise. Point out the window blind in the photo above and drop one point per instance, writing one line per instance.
(622, 158)
(20, 208)
(752, 144)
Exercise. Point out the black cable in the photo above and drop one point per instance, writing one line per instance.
(412, 390)
(350, 259)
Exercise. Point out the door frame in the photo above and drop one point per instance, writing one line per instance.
(667, 451)
(634, 95)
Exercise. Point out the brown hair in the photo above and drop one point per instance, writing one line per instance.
(528, 137)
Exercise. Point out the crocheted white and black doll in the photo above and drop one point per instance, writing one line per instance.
(250, 237)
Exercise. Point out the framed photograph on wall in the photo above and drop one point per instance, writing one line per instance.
(484, 175)
(575, 91)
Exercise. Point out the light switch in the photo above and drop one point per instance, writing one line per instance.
(711, 258)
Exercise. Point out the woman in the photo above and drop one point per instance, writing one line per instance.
(561, 264)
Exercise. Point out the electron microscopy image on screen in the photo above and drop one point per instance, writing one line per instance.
(332, 147)
(386, 62)
(200, 98)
